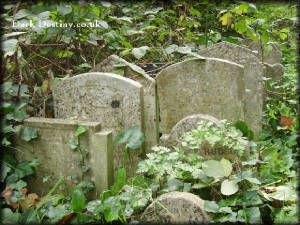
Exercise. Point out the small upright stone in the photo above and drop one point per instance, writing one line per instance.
(274, 56)
(178, 208)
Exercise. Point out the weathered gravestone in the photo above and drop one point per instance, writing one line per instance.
(207, 86)
(189, 123)
(114, 64)
(115, 102)
(253, 77)
(272, 57)
(56, 159)
(272, 72)
(176, 208)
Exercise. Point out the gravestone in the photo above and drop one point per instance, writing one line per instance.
(115, 102)
(207, 86)
(272, 72)
(189, 123)
(176, 208)
(56, 158)
(114, 64)
(272, 57)
(253, 78)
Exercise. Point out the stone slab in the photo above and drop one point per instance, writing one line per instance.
(179, 208)
(253, 77)
(115, 102)
(56, 158)
(151, 118)
(274, 56)
(207, 86)
(189, 123)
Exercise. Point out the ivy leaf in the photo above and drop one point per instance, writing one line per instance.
(211, 206)
(8, 217)
(253, 215)
(29, 133)
(20, 115)
(229, 187)
(226, 166)
(80, 130)
(74, 144)
(64, 9)
(78, 200)
(226, 19)
(132, 136)
(284, 193)
(139, 52)
(95, 206)
(22, 13)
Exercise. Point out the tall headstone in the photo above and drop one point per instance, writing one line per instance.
(272, 57)
(56, 158)
(253, 76)
(114, 64)
(207, 86)
(115, 102)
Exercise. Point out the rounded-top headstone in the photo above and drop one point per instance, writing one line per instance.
(176, 207)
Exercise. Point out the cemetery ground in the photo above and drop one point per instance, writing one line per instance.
(179, 112)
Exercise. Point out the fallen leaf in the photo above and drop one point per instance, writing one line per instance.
(285, 121)
(6, 195)
(65, 218)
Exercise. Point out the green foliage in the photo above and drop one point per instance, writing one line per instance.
(132, 136)
(260, 189)
(224, 134)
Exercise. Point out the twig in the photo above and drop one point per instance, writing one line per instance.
(160, 68)
(45, 58)
(41, 45)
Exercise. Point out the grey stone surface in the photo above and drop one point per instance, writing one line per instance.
(207, 86)
(151, 118)
(253, 78)
(273, 72)
(174, 138)
(114, 101)
(179, 208)
(56, 158)
(274, 56)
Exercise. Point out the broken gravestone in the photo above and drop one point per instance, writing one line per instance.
(189, 123)
(207, 86)
(115, 102)
(176, 208)
(273, 56)
(253, 78)
(114, 64)
(51, 148)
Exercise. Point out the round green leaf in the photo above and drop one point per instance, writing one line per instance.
(229, 187)
(78, 200)
(226, 166)
(213, 168)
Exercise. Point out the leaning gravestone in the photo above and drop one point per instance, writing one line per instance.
(115, 102)
(253, 77)
(114, 64)
(178, 207)
(207, 86)
(272, 72)
(272, 57)
(189, 123)
(56, 159)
